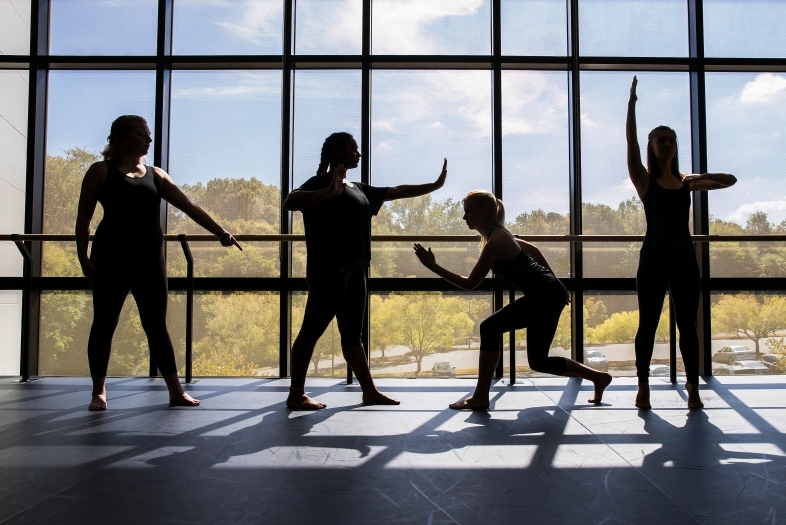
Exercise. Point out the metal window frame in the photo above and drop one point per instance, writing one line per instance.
(38, 63)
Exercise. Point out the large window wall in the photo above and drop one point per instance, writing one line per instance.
(525, 98)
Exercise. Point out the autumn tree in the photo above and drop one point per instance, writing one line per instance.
(745, 314)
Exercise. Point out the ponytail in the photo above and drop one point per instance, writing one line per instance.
(495, 207)
(327, 156)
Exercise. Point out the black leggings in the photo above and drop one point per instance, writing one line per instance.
(340, 294)
(143, 274)
(679, 274)
(540, 316)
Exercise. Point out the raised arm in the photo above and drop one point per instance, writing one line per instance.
(710, 181)
(406, 191)
(88, 198)
(172, 194)
(299, 200)
(487, 257)
(636, 170)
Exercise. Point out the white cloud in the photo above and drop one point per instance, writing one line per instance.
(399, 24)
(258, 22)
(437, 125)
(532, 103)
(741, 214)
(763, 89)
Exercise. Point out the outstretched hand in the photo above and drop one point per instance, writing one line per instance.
(425, 256)
(227, 239)
(633, 96)
(442, 176)
(337, 184)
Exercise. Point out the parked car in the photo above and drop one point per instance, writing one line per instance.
(593, 358)
(659, 370)
(771, 362)
(443, 369)
(727, 354)
(742, 368)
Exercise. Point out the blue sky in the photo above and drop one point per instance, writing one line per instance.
(227, 123)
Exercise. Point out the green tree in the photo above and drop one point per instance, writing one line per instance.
(745, 314)
(563, 336)
(620, 327)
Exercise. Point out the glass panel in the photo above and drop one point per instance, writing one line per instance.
(10, 332)
(534, 27)
(535, 159)
(225, 150)
(610, 326)
(746, 116)
(91, 27)
(329, 27)
(416, 334)
(80, 111)
(436, 27)
(15, 27)
(610, 202)
(217, 27)
(747, 334)
(744, 28)
(418, 118)
(634, 28)
(13, 165)
(325, 102)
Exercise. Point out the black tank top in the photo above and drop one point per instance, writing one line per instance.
(668, 214)
(132, 211)
(527, 275)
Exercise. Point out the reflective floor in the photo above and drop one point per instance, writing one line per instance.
(541, 455)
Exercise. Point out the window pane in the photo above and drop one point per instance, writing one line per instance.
(15, 27)
(610, 203)
(746, 116)
(418, 118)
(610, 326)
(217, 27)
(225, 150)
(10, 332)
(745, 28)
(91, 27)
(747, 331)
(634, 28)
(80, 111)
(534, 27)
(415, 334)
(436, 27)
(329, 27)
(535, 159)
(325, 102)
(13, 165)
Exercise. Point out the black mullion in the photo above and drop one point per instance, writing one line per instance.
(34, 184)
(699, 165)
(365, 143)
(496, 86)
(574, 126)
(285, 248)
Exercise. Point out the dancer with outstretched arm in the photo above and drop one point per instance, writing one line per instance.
(667, 260)
(337, 219)
(128, 250)
(538, 310)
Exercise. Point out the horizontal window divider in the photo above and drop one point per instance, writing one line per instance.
(592, 285)
(198, 237)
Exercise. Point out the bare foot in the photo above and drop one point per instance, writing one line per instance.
(378, 398)
(694, 401)
(643, 397)
(470, 404)
(182, 400)
(98, 402)
(600, 386)
(298, 400)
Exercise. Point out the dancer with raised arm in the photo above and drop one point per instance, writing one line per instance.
(337, 218)
(668, 259)
(538, 310)
(128, 250)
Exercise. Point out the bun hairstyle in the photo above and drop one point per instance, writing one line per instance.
(496, 210)
(119, 130)
(652, 164)
(328, 157)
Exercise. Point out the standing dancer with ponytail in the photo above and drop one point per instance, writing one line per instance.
(337, 218)
(668, 260)
(538, 311)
